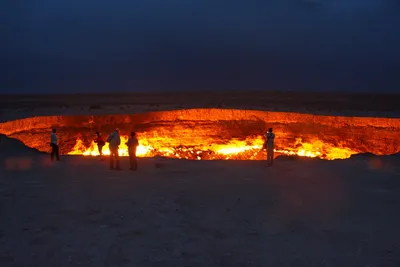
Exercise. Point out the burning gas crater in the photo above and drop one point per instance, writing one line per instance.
(249, 149)
(207, 134)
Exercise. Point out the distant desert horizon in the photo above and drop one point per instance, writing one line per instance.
(344, 104)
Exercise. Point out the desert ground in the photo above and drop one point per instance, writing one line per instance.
(300, 212)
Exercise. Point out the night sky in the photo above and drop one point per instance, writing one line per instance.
(158, 45)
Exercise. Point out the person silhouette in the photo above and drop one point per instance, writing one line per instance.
(270, 138)
(114, 140)
(132, 144)
(100, 143)
(54, 143)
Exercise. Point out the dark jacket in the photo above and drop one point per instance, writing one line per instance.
(132, 144)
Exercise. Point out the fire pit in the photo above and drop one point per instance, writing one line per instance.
(215, 134)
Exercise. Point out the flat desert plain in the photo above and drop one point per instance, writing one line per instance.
(300, 212)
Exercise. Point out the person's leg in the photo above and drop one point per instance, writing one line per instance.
(270, 156)
(131, 160)
(53, 151)
(57, 151)
(134, 161)
(116, 153)
(111, 159)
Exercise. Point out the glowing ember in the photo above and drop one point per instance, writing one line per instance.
(249, 149)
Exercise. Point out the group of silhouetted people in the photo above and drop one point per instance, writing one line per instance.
(114, 141)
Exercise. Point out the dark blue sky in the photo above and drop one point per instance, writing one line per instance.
(138, 45)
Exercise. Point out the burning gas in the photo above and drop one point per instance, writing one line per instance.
(248, 149)
(216, 134)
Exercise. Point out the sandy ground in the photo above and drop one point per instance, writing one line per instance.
(198, 213)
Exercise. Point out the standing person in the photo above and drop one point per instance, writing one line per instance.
(114, 141)
(100, 143)
(132, 144)
(54, 145)
(270, 137)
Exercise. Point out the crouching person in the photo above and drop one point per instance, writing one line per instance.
(114, 140)
(132, 144)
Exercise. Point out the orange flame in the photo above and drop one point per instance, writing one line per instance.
(248, 149)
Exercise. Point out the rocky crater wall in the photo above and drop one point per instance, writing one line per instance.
(380, 136)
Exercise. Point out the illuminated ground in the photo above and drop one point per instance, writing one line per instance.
(199, 213)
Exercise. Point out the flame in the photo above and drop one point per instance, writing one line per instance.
(248, 149)
(92, 150)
